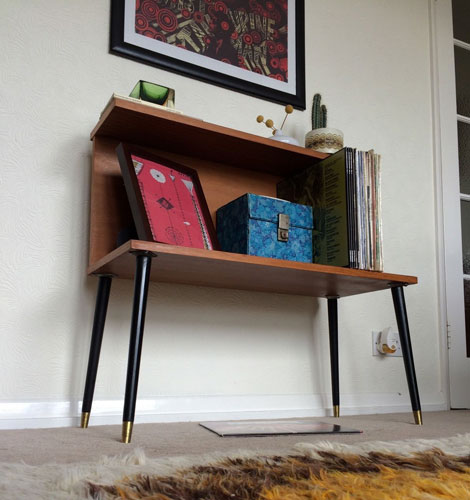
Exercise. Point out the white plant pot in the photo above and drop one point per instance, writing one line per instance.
(324, 140)
(279, 136)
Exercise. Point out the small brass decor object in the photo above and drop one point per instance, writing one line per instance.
(277, 132)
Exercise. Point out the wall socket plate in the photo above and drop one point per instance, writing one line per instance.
(375, 351)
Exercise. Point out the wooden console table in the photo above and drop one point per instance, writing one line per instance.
(229, 164)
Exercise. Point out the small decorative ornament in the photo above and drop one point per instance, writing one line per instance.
(156, 94)
(278, 136)
(322, 138)
(277, 133)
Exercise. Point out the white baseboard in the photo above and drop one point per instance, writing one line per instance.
(43, 414)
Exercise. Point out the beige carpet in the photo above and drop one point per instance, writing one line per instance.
(68, 445)
(435, 468)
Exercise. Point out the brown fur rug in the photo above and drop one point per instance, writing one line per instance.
(377, 470)
(430, 474)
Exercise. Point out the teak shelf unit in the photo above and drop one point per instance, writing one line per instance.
(229, 163)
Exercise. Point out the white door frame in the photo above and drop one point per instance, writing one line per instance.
(454, 362)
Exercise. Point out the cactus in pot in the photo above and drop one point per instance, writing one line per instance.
(318, 113)
(321, 138)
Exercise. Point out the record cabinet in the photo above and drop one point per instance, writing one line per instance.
(229, 163)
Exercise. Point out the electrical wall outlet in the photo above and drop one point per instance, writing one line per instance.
(389, 337)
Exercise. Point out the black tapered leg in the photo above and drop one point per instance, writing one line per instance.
(404, 332)
(142, 276)
(101, 307)
(333, 328)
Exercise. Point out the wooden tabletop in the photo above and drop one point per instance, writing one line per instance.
(192, 266)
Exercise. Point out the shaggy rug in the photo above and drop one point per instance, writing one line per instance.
(412, 469)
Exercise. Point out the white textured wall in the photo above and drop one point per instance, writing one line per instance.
(368, 58)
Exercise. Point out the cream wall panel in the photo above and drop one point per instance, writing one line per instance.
(370, 61)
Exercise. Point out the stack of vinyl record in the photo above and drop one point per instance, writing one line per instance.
(344, 190)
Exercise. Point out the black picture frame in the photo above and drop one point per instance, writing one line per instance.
(125, 41)
(161, 201)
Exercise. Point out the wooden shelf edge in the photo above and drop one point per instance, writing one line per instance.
(218, 256)
(117, 103)
(93, 267)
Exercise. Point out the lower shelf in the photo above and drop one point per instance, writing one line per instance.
(192, 266)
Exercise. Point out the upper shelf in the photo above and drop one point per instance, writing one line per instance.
(194, 266)
(141, 124)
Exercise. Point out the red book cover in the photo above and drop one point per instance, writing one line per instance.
(172, 206)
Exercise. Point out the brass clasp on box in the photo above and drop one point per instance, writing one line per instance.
(283, 227)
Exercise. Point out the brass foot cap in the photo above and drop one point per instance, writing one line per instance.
(418, 417)
(336, 410)
(85, 419)
(126, 432)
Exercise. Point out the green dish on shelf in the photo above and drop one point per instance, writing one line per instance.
(156, 94)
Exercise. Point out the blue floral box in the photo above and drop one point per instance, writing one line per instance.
(256, 225)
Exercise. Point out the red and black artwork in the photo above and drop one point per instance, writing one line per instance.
(166, 200)
(249, 34)
(171, 204)
(252, 46)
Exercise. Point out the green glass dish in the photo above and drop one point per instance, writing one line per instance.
(156, 94)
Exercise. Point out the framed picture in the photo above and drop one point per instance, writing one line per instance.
(251, 46)
(166, 200)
